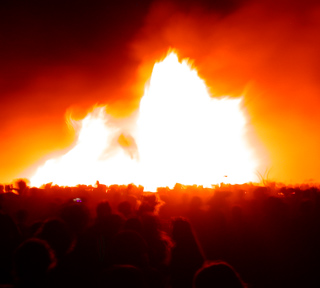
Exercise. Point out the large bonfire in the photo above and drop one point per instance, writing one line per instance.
(181, 135)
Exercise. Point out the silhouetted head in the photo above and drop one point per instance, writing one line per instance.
(133, 224)
(56, 232)
(217, 275)
(150, 204)
(21, 186)
(181, 230)
(124, 208)
(9, 240)
(76, 215)
(150, 223)
(196, 203)
(8, 230)
(103, 210)
(32, 260)
(22, 215)
(129, 248)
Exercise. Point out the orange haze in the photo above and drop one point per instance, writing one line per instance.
(267, 51)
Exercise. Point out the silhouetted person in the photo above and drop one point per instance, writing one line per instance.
(103, 211)
(76, 215)
(58, 235)
(107, 223)
(129, 248)
(133, 224)
(186, 256)
(125, 209)
(22, 186)
(56, 232)
(215, 239)
(217, 275)
(21, 219)
(158, 241)
(32, 261)
(150, 204)
(101, 233)
(9, 241)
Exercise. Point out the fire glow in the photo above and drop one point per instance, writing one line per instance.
(181, 135)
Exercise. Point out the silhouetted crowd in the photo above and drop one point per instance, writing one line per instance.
(189, 236)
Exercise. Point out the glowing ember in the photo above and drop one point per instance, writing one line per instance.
(182, 136)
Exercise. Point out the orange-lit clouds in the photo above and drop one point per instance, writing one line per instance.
(73, 56)
(56, 58)
(270, 51)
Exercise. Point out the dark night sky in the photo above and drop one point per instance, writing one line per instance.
(61, 55)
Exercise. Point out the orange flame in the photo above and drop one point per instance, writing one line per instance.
(182, 135)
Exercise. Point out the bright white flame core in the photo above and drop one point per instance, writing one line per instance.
(182, 136)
